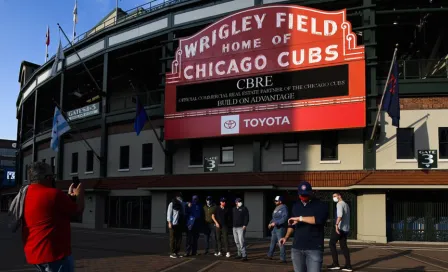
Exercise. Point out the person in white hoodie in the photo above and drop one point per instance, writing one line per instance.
(176, 223)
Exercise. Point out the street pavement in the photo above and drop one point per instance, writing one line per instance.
(135, 251)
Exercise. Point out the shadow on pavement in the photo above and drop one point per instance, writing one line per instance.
(372, 262)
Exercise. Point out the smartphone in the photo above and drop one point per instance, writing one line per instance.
(75, 181)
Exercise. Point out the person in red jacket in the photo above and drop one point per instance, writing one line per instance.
(46, 229)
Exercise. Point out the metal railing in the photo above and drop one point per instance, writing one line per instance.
(45, 125)
(117, 103)
(416, 69)
(129, 14)
(27, 135)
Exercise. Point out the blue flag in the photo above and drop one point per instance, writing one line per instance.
(140, 118)
(391, 102)
(60, 126)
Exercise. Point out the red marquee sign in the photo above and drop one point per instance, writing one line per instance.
(269, 69)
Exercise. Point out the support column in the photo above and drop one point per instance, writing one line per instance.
(104, 134)
(255, 203)
(369, 37)
(158, 212)
(34, 154)
(371, 216)
(256, 153)
(60, 153)
(19, 155)
(167, 54)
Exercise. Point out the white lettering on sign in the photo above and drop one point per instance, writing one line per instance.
(267, 121)
(222, 67)
(254, 82)
(10, 175)
(224, 32)
(295, 22)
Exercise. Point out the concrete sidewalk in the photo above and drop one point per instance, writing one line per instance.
(114, 250)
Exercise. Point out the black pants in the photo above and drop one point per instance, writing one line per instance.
(175, 239)
(342, 238)
(222, 237)
(210, 232)
(192, 241)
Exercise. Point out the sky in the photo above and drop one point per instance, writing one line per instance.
(23, 24)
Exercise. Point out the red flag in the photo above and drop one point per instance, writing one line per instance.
(47, 36)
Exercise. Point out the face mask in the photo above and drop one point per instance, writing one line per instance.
(335, 199)
(239, 204)
(304, 198)
(208, 202)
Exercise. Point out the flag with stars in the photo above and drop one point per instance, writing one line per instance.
(60, 126)
(391, 103)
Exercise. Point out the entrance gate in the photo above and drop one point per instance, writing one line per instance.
(424, 218)
(130, 212)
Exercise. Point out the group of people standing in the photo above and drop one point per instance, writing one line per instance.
(213, 220)
(306, 224)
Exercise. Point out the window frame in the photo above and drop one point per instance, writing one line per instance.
(398, 144)
(90, 164)
(74, 163)
(443, 156)
(292, 144)
(121, 159)
(196, 144)
(150, 158)
(227, 148)
(329, 139)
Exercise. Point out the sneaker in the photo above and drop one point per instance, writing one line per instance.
(174, 256)
(238, 257)
(268, 258)
(218, 254)
(228, 255)
(347, 268)
(179, 255)
(333, 267)
(186, 254)
(282, 261)
(244, 259)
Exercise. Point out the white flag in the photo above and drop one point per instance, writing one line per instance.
(75, 12)
(59, 56)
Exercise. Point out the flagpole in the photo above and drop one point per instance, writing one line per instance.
(47, 41)
(384, 91)
(77, 129)
(46, 53)
(80, 59)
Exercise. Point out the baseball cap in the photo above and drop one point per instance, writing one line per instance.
(305, 188)
(223, 199)
(278, 198)
(208, 198)
(238, 199)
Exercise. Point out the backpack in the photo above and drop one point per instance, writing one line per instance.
(16, 209)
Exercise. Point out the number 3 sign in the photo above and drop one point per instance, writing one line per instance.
(210, 164)
(427, 159)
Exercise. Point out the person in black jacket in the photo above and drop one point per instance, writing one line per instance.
(221, 219)
(240, 222)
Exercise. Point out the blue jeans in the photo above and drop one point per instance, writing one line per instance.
(67, 264)
(307, 260)
(277, 234)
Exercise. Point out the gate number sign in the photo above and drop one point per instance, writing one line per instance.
(210, 164)
(427, 159)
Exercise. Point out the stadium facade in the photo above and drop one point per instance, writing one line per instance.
(246, 98)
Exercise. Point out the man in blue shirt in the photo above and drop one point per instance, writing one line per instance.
(278, 224)
(307, 223)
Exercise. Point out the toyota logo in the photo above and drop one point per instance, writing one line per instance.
(229, 124)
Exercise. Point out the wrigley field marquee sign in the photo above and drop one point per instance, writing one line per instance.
(271, 69)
